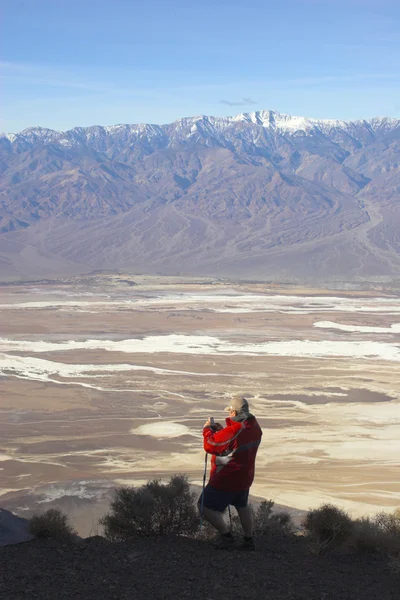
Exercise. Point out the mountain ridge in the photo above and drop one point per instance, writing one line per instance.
(261, 194)
(265, 118)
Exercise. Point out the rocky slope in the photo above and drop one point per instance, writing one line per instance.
(260, 195)
(13, 529)
(281, 569)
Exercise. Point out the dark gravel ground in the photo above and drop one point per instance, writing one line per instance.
(280, 569)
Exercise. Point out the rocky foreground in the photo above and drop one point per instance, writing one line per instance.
(280, 569)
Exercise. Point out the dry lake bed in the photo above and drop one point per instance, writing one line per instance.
(108, 379)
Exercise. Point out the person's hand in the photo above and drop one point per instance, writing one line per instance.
(214, 426)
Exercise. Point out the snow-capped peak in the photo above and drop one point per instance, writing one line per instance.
(272, 119)
(189, 127)
(8, 136)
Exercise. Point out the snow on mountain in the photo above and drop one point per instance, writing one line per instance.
(258, 194)
(190, 127)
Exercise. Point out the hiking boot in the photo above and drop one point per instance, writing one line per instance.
(224, 542)
(246, 545)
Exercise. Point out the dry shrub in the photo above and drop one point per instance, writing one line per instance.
(262, 517)
(51, 524)
(379, 535)
(282, 522)
(266, 522)
(206, 533)
(389, 522)
(154, 509)
(327, 526)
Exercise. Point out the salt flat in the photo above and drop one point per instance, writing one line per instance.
(102, 381)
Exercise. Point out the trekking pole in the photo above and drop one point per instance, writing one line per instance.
(202, 495)
(204, 483)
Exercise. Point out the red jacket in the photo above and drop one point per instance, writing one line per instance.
(233, 450)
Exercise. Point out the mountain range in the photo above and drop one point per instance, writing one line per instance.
(260, 195)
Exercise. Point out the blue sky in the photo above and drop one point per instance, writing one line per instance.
(67, 63)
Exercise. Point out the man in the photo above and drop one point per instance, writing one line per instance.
(233, 450)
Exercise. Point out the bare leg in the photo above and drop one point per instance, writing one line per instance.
(246, 520)
(216, 519)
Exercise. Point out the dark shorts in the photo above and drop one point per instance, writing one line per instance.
(219, 500)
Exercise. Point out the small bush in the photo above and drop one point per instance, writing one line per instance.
(327, 526)
(153, 509)
(282, 521)
(206, 532)
(51, 524)
(262, 517)
(380, 534)
(389, 522)
(265, 521)
(369, 537)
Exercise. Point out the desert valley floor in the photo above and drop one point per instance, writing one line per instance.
(107, 380)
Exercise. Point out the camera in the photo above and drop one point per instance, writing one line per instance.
(214, 426)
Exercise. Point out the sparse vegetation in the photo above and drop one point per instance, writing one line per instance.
(265, 521)
(281, 521)
(157, 509)
(389, 522)
(327, 526)
(379, 535)
(262, 517)
(154, 509)
(51, 524)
